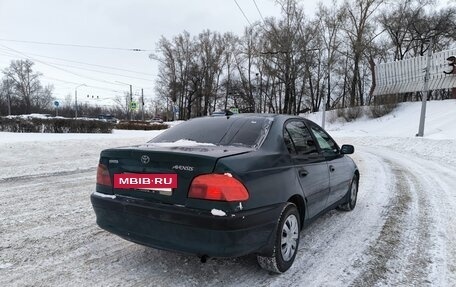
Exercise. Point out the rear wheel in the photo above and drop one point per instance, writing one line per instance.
(352, 196)
(286, 242)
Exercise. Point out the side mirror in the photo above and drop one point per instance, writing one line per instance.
(347, 149)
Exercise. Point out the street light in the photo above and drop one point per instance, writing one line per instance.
(131, 98)
(76, 99)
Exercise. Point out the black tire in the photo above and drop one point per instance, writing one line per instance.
(284, 253)
(352, 196)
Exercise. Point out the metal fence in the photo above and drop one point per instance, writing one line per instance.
(407, 75)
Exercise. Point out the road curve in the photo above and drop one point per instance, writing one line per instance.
(402, 232)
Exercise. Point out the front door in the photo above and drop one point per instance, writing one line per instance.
(310, 166)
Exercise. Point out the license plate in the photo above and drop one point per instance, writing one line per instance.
(161, 191)
(146, 181)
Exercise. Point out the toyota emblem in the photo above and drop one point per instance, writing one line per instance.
(145, 159)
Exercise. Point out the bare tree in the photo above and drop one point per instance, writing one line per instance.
(361, 32)
(284, 55)
(122, 105)
(24, 84)
(331, 22)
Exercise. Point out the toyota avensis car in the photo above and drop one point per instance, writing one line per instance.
(226, 187)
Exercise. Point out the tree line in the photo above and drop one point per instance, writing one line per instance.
(288, 64)
(21, 92)
(293, 63)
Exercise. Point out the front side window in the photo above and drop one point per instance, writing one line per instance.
(298, 139)
(327, 144)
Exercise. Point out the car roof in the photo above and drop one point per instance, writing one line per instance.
(283, 117)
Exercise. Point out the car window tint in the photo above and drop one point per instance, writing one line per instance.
(327, 145)
(288, 142)
(301, 137)
(242, 131)
(248, 133)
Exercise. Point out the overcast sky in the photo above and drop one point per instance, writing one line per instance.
(114, 24)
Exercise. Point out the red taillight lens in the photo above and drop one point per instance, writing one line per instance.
(103, 175)
(222, 187)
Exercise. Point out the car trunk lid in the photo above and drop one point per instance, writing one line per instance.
(185, 161)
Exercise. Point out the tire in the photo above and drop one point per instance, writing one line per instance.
(352, 196)
(286, 242)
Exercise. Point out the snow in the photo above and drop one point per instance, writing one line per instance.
(218, 212)
(28, 116)
(9, 137)
(401, 233)
(398, 130)
(403, 122)
(180, 143)
(104, 195)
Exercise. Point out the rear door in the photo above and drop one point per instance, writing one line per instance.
(310, 166)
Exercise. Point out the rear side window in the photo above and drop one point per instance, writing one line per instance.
(301, 140)
(236, 131)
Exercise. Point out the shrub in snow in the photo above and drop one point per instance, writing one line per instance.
(53, 125)
(377, 111)
(350, 114)
(140, 125)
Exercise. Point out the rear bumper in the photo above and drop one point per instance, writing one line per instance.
(187, 230)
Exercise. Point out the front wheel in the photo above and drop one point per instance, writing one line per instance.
(286, 242)
(352, 196)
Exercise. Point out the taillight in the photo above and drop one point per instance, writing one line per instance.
(222, 187)
(103, 175)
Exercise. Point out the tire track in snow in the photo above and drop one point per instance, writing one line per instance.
(435, 184)
(399, 255)
(15, 179)
(417, 249)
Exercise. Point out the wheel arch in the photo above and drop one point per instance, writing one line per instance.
(300, 204)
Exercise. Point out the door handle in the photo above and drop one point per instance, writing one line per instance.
(303, 172)
(331, 168)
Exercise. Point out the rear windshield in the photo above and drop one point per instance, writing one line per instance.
(233, 131)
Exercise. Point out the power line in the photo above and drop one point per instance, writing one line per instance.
(89, 64)
(76, 83)
(87, 69)
(98, 71)
(77, 45)
(242, 11)
(259, 12)
(69, 82)
(56, 67)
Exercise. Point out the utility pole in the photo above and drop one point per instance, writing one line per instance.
(76, 100)
(328, 97)
(142, 104)
(128, 108)
(8, 96)
(76, 103)
(258, 91)
(131, 100)
(128, 104)
(425, 90)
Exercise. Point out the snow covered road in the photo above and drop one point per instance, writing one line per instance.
(402, 232)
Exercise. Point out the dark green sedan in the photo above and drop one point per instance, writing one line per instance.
(226, 187)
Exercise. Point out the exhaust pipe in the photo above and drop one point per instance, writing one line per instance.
(204, 258)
